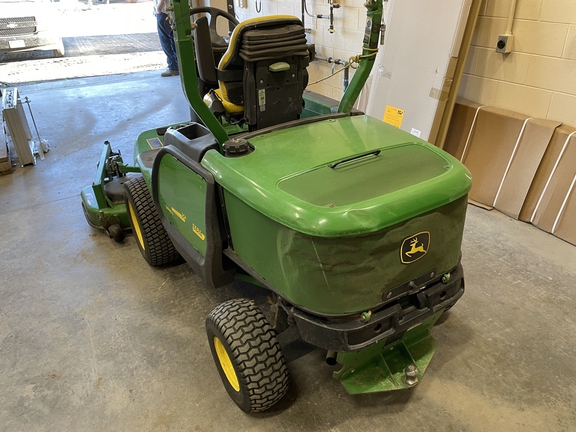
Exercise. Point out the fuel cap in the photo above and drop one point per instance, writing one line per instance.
(236, 147)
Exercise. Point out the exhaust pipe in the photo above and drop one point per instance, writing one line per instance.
(331, 358)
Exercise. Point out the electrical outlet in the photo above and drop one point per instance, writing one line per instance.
(504, 44)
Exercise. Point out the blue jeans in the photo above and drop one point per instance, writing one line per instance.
(167, 40)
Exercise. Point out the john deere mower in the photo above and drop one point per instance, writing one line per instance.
(354, 226)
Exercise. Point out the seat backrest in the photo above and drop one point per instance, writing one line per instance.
(205, 66)
(264, 69)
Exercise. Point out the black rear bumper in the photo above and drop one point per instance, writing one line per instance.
(389, 323)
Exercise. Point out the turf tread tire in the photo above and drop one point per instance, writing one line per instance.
(256, 355)
(158, 247)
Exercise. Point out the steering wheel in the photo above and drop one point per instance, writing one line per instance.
(218, 42)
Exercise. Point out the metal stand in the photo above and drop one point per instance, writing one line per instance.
(42, 145)
(5, 165)
(18, 128)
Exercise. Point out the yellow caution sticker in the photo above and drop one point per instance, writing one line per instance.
(393, 116)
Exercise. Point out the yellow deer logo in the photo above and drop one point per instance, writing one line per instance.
(414, 247)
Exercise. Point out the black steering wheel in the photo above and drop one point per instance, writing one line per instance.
(218, 42)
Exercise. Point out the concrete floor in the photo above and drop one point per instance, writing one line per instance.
(93, 339)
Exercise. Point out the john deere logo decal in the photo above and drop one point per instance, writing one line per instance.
(415, 247)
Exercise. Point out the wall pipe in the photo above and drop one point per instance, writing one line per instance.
(334, 62)
(321, 16)
(511, 17)
(332, 7)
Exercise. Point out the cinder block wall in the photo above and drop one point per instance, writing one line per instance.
(538, 78)
(346, 41)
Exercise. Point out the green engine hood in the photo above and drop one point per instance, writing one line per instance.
(288, 178)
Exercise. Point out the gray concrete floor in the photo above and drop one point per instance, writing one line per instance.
(92, 338)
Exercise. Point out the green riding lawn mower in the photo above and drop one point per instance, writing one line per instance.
(354, 226)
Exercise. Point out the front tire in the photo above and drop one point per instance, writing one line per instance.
(115, 232)
(247, 355)
(151, 237)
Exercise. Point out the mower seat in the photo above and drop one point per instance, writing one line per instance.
(262, 74)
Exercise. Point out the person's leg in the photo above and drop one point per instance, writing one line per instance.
(167, 41)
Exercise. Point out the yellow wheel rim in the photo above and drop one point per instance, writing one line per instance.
(226, 364)
(136, 225)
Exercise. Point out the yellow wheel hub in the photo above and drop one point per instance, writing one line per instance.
(136, 225)
(226, 364)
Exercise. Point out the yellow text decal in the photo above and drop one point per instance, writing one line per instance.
(198, 232)
(176, 213)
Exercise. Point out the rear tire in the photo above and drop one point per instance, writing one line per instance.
(151, 237)
(247, 355)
